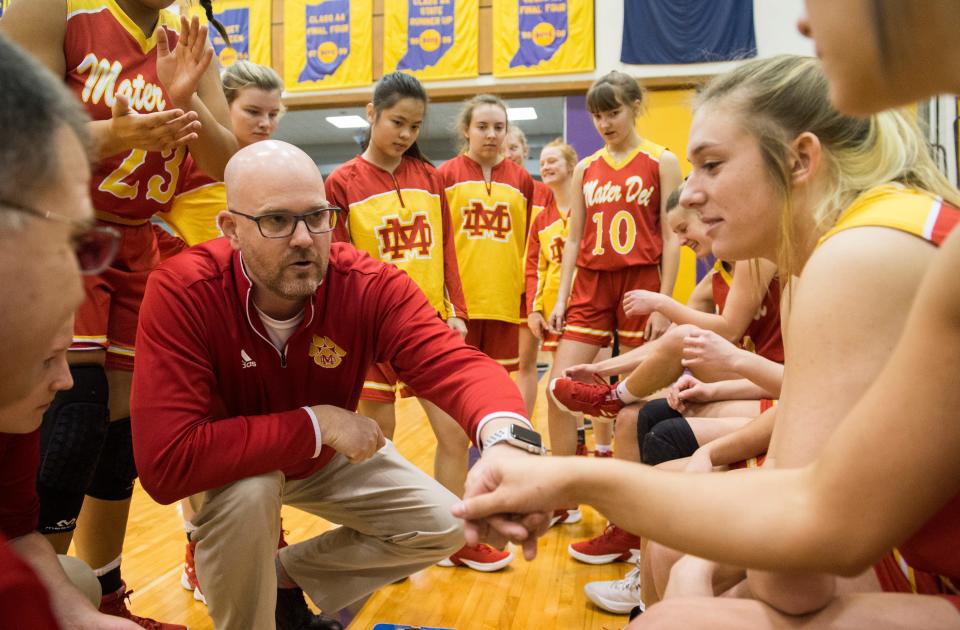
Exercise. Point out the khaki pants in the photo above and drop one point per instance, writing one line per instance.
(395, 520)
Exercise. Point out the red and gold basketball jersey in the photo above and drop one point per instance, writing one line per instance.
(933, 547)
(106, 53)
(401, 218)
(198, 200)
(902, 208)
(548, 234)
(490, 223)
(542, 197)
(763, 335)
(622, 200)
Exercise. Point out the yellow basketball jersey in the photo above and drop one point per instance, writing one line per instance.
(400, 218)
(408, 236)
(490, 227)
(901, 208)
(199, 199)
(193, 216)
(545, 252)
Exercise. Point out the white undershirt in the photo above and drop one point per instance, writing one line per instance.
(279, 330)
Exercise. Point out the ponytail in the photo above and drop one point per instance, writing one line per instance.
(208, 9)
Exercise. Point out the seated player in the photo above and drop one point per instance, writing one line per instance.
(876, 235)
(635, 422)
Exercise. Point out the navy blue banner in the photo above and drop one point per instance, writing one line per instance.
(687, 31)
(237, 23)
(429, 33)
(543, 29)
(328, 39)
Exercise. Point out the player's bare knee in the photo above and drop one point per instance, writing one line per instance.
(792, 594)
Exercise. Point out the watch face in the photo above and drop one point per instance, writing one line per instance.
(526, 435)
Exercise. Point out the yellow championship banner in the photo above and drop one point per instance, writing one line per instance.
(431, 39)
(327, 44)
(247, 23)
(534, 37)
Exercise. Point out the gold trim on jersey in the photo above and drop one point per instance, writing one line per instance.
(589, 331)
(893, 206)
(393, 191)
(720, 268)
(480, 182)
(646, 147)
(109, 217)
(383, 387)
(147, 43)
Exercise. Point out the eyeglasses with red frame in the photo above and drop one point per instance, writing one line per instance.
(95, 246)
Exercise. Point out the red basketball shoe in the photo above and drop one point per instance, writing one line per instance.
(613, 545)
(479, 558)
(590, 398)
(115, 604)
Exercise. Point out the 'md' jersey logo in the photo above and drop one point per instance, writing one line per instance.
(400, 241)
(481, 222)
(556, 249)
(325, 352)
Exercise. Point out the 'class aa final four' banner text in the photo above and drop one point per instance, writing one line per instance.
(247, 23)
(431, 39)
(532, 37)
(327, 44)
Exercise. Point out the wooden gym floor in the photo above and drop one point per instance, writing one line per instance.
(545, 593)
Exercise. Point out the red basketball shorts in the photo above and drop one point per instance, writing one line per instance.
(595, 309)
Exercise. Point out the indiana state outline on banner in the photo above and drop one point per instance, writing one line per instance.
(533, 37)
(247, 23)
(327, 43)
(328, 39)
(431, 39)
(543, 29)
(429, 33)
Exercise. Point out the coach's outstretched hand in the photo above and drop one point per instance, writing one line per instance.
(354, 436)
(510, 496)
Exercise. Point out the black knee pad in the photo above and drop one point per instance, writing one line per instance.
(670, 439)
(116, 471)
(71, 437)
(652, 414)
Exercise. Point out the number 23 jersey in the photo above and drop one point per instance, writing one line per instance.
(106, 53)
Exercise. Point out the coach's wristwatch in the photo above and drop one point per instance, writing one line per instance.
(517, 437)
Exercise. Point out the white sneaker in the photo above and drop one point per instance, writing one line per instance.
(616, 596)
(566, 517)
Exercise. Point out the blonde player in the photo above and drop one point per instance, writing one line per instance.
(253, 94)
(490, 199)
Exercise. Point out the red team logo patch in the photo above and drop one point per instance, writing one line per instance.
(399, 241)
(556, 249)
(481, 222)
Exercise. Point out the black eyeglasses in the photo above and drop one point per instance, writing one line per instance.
(95, 246)
(283, 224)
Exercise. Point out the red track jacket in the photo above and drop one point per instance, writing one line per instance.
(214, 401)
